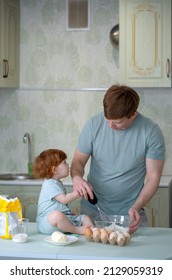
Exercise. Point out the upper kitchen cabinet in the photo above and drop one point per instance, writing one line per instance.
(145, 43)
(9, 43)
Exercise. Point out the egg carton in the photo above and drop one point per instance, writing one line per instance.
(107, 236)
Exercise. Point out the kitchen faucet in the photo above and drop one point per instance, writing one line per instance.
(26, 139)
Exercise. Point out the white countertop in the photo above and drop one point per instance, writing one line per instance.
(166, 180)
(146, 243)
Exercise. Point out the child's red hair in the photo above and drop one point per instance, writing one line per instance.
(43, 165)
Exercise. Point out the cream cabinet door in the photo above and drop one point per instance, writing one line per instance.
(145, 43)
(9, 43)
(158, 209)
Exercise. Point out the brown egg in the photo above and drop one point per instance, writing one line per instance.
(94, 228)
(120, 239)
(104, 236)
(109, 231)
(113, 238)
(127, 237)
(88, 234)
(103, 229)
(96, 235)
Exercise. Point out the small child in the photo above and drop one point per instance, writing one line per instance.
(53, 213)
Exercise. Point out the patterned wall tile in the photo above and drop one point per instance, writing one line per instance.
(55, 64)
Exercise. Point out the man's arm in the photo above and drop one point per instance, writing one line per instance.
(153, 176)
(77, 172)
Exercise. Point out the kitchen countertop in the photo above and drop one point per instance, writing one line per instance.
(29, 182)
(165, 181)
(147, 243)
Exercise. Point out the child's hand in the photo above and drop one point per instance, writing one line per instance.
(76, 194)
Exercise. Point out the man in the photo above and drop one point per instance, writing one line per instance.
(127, 153)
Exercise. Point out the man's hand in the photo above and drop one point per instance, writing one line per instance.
(82, 187)
(135, 219)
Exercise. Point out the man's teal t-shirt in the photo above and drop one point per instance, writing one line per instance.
(118, 166)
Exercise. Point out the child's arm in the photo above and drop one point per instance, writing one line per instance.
(67, 198)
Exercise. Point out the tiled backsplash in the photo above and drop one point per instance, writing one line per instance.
(53, 59)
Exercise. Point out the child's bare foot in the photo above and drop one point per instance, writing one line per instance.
(81, 229)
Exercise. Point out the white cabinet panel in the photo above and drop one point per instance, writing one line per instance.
(159, 209)
(9, 43)
(145, 43)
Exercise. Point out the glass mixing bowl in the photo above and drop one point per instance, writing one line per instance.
(114, 222)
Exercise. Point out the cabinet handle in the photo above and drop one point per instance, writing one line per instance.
(168, 67)
(5, 68)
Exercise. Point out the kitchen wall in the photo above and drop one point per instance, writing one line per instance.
(63, 78)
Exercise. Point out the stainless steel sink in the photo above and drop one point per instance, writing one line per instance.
(16, 176)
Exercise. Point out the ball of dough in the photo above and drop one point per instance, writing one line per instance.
(57, 236)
